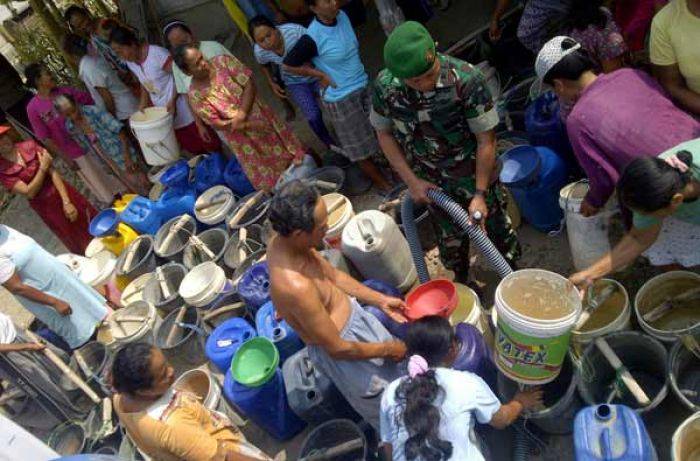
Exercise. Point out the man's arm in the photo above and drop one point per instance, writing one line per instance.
(671, 79)
(498, 12)
(316, 326)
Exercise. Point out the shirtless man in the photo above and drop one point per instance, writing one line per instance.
(345, 342)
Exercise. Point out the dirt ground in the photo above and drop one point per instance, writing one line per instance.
(539, 250)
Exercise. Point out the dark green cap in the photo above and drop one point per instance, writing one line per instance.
(409, 50)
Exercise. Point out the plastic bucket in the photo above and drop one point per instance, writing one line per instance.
(67, 439)
(255, 362)
(202, 384)
(645, 358)
(337, 219)
(681, 321)
(177, 244)
(134, 290)
(588, 237)
(186, 350)
(173, 274)
(214, 205)
(560, 400)
(143, 262)
(153, 127)
(98, 270)
(337, 432)
(531, 350)
(216, 240)
(613, 315)
(685, 444)
(255, 215)
(684, 374)
(469, 310)
(96, 359)
(203, 284)
(235, 249)
(129, 329)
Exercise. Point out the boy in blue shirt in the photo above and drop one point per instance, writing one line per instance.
(331, 46)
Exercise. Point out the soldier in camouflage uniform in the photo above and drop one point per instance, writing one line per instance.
(435, 119)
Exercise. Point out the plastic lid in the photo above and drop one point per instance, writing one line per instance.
(255, 362)
(105, 223)
(436, 297)
(520, 166)
(97, 270)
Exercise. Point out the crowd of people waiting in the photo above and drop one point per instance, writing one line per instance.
(433, 118)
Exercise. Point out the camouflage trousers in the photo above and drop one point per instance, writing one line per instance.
(453, 241)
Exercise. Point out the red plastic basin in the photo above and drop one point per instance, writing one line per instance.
(436, 297)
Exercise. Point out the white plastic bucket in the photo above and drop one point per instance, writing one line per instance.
(134, 290)
(203, 284)
(98, 270)
(469, 310)
(216, 212)
(131, 330)
(531, 350)
(153, 127)
(685, 444)
(202, 384)
(652, 294)
(337, 219)
(588, 237)
(619, 323)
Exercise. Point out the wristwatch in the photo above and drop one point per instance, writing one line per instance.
(479, 193)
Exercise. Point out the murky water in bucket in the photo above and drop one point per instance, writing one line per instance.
(608, 311)
(538, 297)
(685, 313)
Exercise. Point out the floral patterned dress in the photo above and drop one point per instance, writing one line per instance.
(268, 146)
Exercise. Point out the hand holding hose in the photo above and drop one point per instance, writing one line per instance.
(418, 189)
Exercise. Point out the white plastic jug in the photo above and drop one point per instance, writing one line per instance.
(378, 249)
(588, 237)
(154, 129)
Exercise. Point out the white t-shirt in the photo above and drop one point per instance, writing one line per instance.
(160, 83)
(7, 329)
(95, 73)
(465, 396)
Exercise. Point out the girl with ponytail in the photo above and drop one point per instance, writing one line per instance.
(663, 194)
(429, 415)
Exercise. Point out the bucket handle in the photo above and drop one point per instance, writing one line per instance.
(189, 326)
(691, 344)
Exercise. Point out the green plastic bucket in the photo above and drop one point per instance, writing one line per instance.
(532, 335)
(255, 362)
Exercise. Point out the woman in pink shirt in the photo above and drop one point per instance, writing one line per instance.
(50, 128)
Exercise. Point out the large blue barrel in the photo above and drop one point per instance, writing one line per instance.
(473, 353)
(545, 126)
(236, 180)
(209, 172)
(312, 395)
(266, 405)
(254, 286)
(279, 332)
(535, 175)
(611, 432)
(142, 215)
(225, 340)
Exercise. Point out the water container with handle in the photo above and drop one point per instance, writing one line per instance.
(378, 249)
(143, 216)
(254, 384)
(312, 395)
(209, 172)
(153, 127)
(611, 432)
(279, 332)
(225, 340)
(254, 286)
(473, 354)
(545, 126)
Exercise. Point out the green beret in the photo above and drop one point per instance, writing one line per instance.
(409, 50)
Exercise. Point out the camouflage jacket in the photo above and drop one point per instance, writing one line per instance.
(436, 129)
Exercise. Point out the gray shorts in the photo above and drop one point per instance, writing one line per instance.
(361, 382)
(350, 118)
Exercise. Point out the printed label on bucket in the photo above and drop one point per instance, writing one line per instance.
(529, 359)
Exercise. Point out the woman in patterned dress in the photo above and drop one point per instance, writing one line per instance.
(224, 96)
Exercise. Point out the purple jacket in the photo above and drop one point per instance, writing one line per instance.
(619, 117)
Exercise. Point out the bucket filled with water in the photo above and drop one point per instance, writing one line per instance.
(536, 310)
